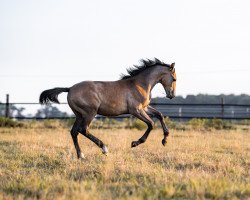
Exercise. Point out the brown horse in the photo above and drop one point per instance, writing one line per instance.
(129, 95)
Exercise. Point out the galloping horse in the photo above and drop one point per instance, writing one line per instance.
(129, 95)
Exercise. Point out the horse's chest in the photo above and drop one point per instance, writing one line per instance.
(144, 96)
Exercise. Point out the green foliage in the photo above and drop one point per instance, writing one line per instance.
(197, 124)
(69, 122)
(138, 124)
(245, 122)
(208, 124)
(170, 123)
(97, 123)
(107, 123)
(51, 123)
(7, 122)
(128, 122)
(219, 124)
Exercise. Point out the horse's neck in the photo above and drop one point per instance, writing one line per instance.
(148, 79)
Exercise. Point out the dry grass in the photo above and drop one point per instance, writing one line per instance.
(41, 164)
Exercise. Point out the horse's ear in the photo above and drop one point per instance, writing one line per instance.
(172, 66)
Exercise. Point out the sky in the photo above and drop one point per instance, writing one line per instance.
(56, 43)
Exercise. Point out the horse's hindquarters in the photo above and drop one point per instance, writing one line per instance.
(104, 98)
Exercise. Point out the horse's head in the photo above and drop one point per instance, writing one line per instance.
(169, 81)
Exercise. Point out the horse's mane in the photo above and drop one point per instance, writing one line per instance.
(144, 64)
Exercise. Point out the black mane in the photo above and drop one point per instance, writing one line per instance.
(145, 64)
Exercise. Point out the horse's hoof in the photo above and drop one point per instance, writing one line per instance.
(134, 144)
(105, 150)
(163, 142)
(81, 157)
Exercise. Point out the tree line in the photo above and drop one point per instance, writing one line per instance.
(53, 111)
(44, 112)
(206, 99)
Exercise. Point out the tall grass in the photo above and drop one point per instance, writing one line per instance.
(130, 123)
(41, 163)
(7, 122)
(208, 124)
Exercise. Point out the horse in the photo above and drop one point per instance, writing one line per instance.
(131, 94)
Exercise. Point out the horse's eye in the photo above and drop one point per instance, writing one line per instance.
(174, 79)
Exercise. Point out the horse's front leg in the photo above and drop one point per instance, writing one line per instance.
(152, 111)
(142, 115)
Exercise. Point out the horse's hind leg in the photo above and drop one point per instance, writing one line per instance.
(74, 134)
(83, 129)
(97, 141)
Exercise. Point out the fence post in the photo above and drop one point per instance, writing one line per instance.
(7, 106)
(180, 113)
(222, 107)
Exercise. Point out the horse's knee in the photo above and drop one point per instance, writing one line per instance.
(83, 131)
(161, 117)
(74, 133)
(150, 125)
(74, 130)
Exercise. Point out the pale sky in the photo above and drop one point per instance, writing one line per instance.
(56, 43)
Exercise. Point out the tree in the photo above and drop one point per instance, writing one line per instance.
(50, 112)
(14, 111)
(2, 109)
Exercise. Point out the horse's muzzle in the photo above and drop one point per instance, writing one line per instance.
(170, 94)
(170, 97)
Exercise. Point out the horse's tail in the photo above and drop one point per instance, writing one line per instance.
(51, 95)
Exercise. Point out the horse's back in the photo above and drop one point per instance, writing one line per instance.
(105, 98)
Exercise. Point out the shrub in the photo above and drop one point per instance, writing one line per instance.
(170, 124)
(197, 124)
(128, 122)
(218, 124)
(208, 124)
(52, 123)
(96, 123)
(138, 124)
(69, 122)
(245, 122)
(7, 122)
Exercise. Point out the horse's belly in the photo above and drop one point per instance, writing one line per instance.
(112, 109)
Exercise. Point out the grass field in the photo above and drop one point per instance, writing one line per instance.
(41, 163)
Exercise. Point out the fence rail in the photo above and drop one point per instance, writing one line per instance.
(175, 111)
